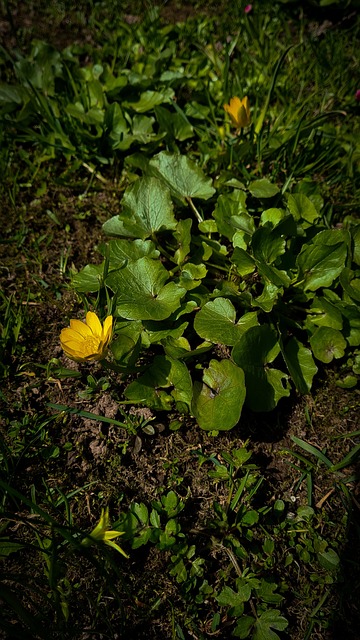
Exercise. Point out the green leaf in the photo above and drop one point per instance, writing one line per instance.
(267, 589)
(355, 233)
(141, 512)
(327, 344)
(147, 208)
(149, 99)
(115, 227)
(176, 125)
(243, 627)
(126, 347)
(351, 284)
(182, 236)
(257, 348)
(164, 373)
(266, 622)
(217, 403)
(301, 207)
(230, 211)
(230, 598)
(263, 188)
(273, 215)
(183, 177)
(300, 364)
(270, 293)
(325, 314)
(191, 275)
(243, 261)
(216, 322)
(142, 130)
(323, 260)
(351, 329)
(329, 560)
(88, 280)
(7, 547)
(268, 244)
(115, 125)
(120, 251)
(141, 291)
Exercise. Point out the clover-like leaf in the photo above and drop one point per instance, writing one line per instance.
(218, 401)
(216, 322)
(327, 344)
(183, 177)
(257, 348)
(141, 290)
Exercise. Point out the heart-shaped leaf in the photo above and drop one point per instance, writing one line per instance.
(301, 207)
(327, 344)
(141, 291)
(216, 322)
(183, 177)
(147, 208)
(218, 401)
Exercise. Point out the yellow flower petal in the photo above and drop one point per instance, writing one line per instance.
(80, 327)
(94, 323)
(87, 341)
(68, 334)
(107, 330)
(239, 111)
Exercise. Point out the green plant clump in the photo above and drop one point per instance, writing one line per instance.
(236, 303)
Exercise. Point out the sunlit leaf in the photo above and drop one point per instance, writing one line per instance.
(183, 177)
(327, 344)
(323, 260)
(216, 322)
(141, 290)
(89, 278)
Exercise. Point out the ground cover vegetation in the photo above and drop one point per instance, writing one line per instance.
(186, 181)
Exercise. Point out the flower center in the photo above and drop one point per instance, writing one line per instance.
(91, 346)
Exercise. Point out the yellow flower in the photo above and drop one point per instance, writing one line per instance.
(88, 340)
(101, 533)
(239, 111)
